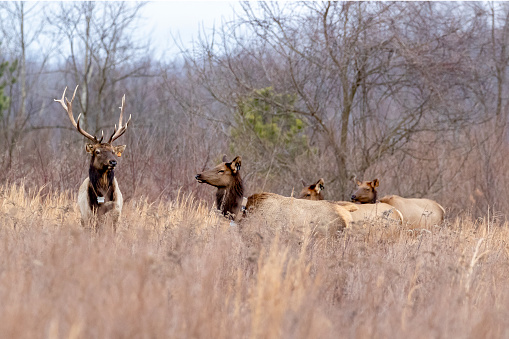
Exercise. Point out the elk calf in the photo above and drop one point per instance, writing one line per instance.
(99, 193)
(363, 212)
(416, 212)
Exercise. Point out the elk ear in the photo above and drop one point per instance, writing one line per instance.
(89, 148)
(118, 150)
(358, 182)
(374, 183)
(321, 184)
(235, 165)
(318, 188)
(303, 182)
(224, 158)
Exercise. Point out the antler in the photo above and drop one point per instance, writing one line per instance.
(121, 129)
(68, 109)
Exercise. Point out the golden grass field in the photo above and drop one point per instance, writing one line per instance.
(175, 269)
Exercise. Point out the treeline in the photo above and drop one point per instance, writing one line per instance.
(411, 93)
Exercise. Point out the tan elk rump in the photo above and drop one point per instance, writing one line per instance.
(271, 210)
(417, 213)
(99, 194)
(363, 213)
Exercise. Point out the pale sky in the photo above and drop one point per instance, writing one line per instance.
(184, 19)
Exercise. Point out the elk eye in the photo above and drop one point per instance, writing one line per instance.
(308, 195)
(97, 151)
(220, 171)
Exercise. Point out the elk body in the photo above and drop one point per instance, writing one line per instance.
(367, 211)
(419, 213)
(99, 194)
(321, 218)
(271, 209)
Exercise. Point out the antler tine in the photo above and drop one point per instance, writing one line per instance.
(121, 112)
(84, 133)
(67, 105)
(121, 129)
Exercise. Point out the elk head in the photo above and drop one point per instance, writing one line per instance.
(223, 175)
(312, 192)
(104, 154)
(366, 192)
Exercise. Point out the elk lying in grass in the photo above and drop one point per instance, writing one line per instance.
(364, 212)
(99, 193)
(272, 209)
(416, 212)
(323, 217)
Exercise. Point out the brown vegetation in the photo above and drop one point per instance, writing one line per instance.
(178, 269)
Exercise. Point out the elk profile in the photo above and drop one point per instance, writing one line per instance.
(99, 194)
(230, 189)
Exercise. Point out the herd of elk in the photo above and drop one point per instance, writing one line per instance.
(368, 211)
(321, 218)
(99, 194)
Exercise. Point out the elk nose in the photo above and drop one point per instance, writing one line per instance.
(353, 197)
(113, 163)
(197, 176)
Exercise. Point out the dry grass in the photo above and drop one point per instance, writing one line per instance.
(177, 269)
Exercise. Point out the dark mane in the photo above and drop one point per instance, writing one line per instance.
(375, 196)
(229, 199)
(99, 186)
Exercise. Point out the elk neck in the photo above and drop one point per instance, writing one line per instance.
(229, 198)
(101, 180)
(375, 197)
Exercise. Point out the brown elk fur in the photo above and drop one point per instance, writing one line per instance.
(416, 212)
(363, 212)
(230, 189)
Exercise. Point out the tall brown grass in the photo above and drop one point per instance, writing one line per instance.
(177, 269)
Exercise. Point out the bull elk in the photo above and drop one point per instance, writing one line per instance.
(417, 213)
(364, 212)
(271, 209)
(99, 194)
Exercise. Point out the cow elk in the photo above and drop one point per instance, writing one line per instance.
(364, 212)
(99, 194)
(230, 189)
(417, 213)
(271, 210)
